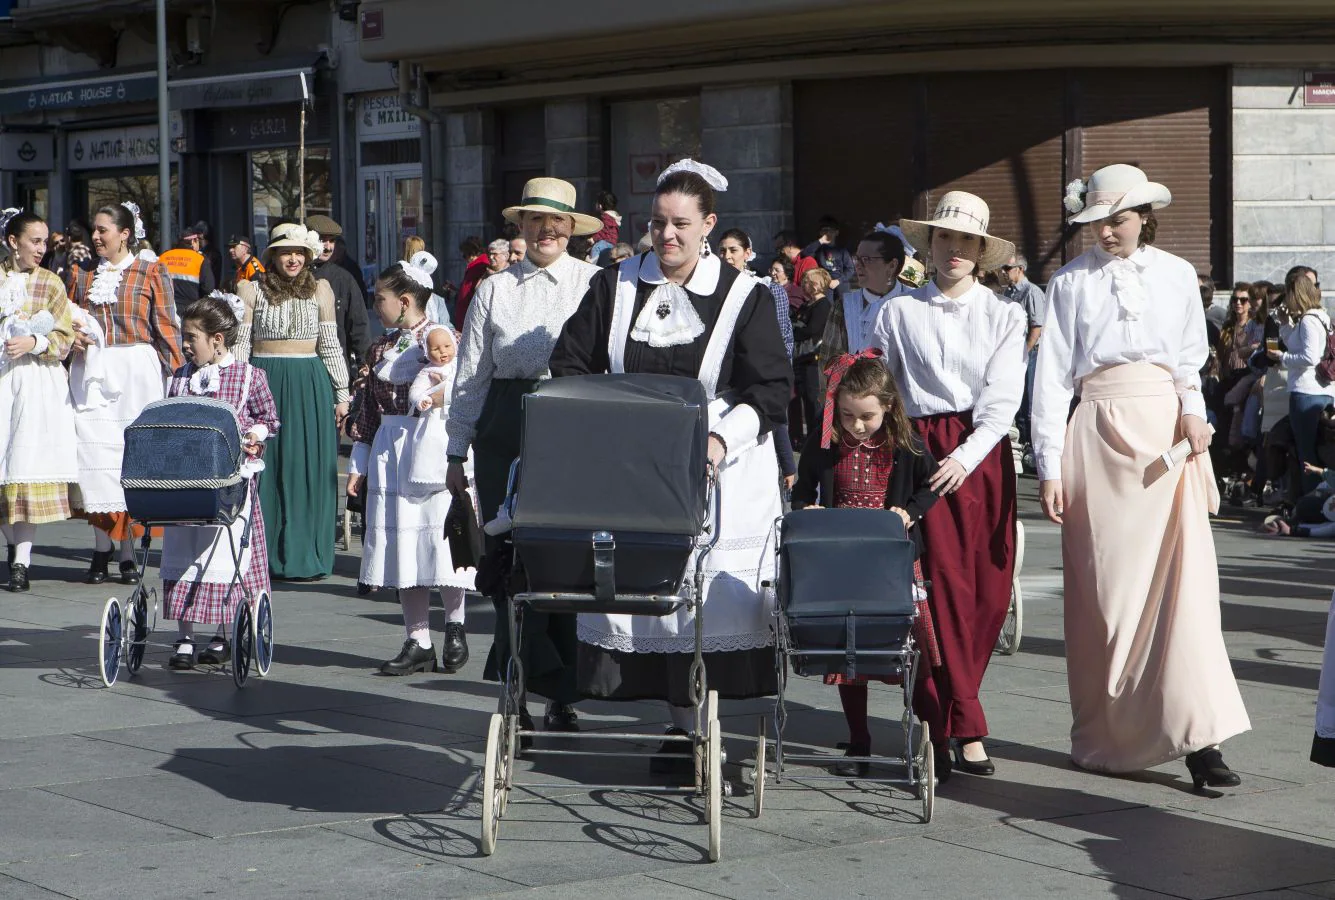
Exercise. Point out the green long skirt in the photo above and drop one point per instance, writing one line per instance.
(299, 487)
(549, 645)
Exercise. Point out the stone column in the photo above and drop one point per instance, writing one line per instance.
(470, 197)
(746, 133)
(1283, 177)
(574, 146)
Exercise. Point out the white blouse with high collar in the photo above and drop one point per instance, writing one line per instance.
(1106, 310)
(953, 355)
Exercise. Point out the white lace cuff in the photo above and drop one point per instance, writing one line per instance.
(40, 347)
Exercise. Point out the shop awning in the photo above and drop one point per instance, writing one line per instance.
(276, 81)
(75, 93)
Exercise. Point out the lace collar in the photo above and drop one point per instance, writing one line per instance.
(1127, 274)
(107, 281)
(703, 281)
(207, 379)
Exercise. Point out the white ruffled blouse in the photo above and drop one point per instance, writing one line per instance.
(1105, 310)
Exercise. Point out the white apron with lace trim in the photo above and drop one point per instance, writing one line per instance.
(738, 611)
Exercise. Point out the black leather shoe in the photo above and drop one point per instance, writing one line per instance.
(851, 768)
(216, 652)
(97, 570)
(560, 717)
(969, 767)
(182, 659)
(1323, 751)
(129, 572)
(18, 578)
(454, 655)
(411, 658)
(1207, 767)
(681, 762)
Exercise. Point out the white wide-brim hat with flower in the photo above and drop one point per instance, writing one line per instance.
(1111, 190)
(290, 234)
(966, 213)
(552, 195)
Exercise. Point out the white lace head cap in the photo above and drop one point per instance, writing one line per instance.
(6, 216)
(139, 233)
(431, 329)
(420, 267)
(712, 176)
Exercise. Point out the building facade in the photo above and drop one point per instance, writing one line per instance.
(868, 111)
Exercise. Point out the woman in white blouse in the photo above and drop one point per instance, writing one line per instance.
(509, 331)
(957, 351)
(1148, 672)
(1305, 328)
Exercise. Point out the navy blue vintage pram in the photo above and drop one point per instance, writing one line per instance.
(183, 466)
(847, 606)
(614, 508)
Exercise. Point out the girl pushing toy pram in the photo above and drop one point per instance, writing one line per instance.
(866, 456)
(198, 568)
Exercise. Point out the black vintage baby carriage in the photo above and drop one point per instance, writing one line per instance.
(183, 466)
(847, 606)
(614, 507)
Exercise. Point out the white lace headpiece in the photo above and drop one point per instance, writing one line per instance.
(712, 176)
(420, 267)
(899, 233)
(139, 233)
(6, 216)
(234, 303)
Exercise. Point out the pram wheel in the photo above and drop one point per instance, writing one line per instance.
(113, 638)
(495, 780)
(263, 634)
(243, 643)
(1008, 642)
(926, 765)
(137, 613)
(758, 776)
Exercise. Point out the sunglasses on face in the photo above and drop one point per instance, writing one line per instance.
(1242, 299)
(1008, 268)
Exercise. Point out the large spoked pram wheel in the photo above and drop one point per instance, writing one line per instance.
(1008, 642)
(926, 772)
(711, 770)
(758, 773)
(263, 634)
(111, 647)
(496, 777)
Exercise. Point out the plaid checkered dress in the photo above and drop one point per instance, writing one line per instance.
(208, 602)
(861, 480)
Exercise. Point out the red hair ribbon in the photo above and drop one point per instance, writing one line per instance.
(835, 374)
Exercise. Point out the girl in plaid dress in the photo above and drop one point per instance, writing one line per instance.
(197, 564)
(866, 456)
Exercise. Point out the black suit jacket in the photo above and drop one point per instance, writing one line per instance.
(349, 311)
(908, 482)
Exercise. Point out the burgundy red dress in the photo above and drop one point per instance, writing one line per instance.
(861, 480)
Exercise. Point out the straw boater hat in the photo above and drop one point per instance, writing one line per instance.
(1111, 190)
(549, 195)
(290, 234)
(963, 212)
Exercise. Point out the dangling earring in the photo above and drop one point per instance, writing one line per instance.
(403, 311)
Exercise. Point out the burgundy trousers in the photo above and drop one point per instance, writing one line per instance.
(970, 557)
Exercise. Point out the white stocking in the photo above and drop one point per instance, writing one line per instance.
(453, 600)
(20, 534)
(416, 603)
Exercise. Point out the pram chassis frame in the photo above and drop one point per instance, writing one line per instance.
(252, 625)
(918, 760)
(504, 733)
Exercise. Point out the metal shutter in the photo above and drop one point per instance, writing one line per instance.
(1160, 120)
(1000, 135)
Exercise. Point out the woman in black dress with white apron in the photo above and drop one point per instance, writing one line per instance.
(678, 311)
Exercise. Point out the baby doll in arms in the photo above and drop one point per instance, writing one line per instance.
(435, 382)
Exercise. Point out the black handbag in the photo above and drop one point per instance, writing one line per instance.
(463, 533)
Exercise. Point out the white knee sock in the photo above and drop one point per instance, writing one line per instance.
(102, 541)
(185, 631)
(22, 535)
(416, 603)
(453, 600)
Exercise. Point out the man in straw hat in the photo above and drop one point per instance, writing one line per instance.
(511, 327)
(1148, 672)
(957, 352)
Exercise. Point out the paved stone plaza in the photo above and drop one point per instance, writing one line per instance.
(328, 780)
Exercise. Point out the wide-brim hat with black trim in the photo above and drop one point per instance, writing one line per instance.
(1111, 190)
(963, 212)
(291, 234)
(552, 195)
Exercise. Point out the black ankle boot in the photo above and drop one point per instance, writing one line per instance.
(129, 572)
(1207, 767)
(411, 658)
(18, 578)
(454, 655)
(97, 570)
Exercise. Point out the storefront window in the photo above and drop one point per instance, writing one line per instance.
(647, 135)
(276, 189)
(142, 188)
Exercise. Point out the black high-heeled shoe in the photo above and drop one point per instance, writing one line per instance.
(982, 767)
(1207, 767)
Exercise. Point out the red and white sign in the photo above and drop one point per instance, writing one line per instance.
(1319, 89)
